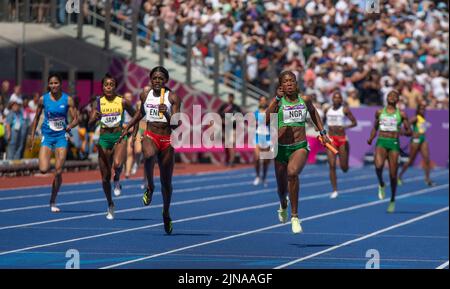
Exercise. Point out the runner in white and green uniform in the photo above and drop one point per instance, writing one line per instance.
(419, 143)
(388, 121)
(293, 148)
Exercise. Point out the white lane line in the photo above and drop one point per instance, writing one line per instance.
(225, 172)
(210, 216)
(442, 266)
(193, 189)
(378, 232)
(324, 195)
(269, 228)
(157, 185)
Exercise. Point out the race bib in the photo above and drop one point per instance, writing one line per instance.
(422, 127)
(388, 123)
(152, 112)
(57, 124)
(335, 120)
(294, 113)
(111, 119)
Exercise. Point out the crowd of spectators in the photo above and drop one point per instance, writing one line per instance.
(348, 45)
(331, 44)
(363, 51)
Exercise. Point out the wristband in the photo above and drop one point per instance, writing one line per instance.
(277, 98)
(323, 132)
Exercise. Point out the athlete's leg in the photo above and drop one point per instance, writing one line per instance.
(295, 166)
(166, 162)
(413, 150)
(60, 155)
(425, 151)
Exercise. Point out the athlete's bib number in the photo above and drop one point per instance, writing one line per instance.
(388, 124)
(111, 120)
(422, 127)
(294, 115)
(153, 114)
(57, 124)
(334, 120)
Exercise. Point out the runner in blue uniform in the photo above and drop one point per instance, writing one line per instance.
(56, 106)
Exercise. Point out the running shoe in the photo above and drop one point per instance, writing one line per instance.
(110, 214)
(381, 192)
(391, 207)
(117, 189)
(399, 182)
(430, 183)
(147, 198)
(282, 215)
(296, 226)
(334, 195)
(54, 208)
(257, 181)
(167, 225)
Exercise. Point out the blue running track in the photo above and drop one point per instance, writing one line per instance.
(222, 221)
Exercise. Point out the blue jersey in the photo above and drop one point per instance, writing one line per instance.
(55, 115)
(262, 136)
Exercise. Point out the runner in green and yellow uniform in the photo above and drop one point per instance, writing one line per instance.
(109, 110)
(388, 121)
(293, 147)
(419, 143)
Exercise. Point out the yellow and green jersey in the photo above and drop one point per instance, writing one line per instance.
(111, 112)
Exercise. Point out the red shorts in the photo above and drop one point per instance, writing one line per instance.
(338, 141)
(162, 142)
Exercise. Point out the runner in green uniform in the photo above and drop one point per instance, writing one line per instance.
(293, 148)
(388, 121)
(109, 111)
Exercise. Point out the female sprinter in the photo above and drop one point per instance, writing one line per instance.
(293, 148)
(388, 121)
(109, 109)
(419, 143)
(334, 118)
(56, 105)
(156, 144)
(262, 142)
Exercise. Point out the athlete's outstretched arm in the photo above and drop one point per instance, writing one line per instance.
(128, 107)
(95, 114)
(351, 117)
(406, 124)
(73, 114)
(176, 107)
(137, 116)
(373, 132)
(412, 122)
(274, 105)
(315, 117)
(40, 108)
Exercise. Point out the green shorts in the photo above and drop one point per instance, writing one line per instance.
(285, 151)
(390, 144)
(107, 140)
(418, 140)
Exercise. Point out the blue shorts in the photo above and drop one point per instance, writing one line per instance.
(53, 142)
